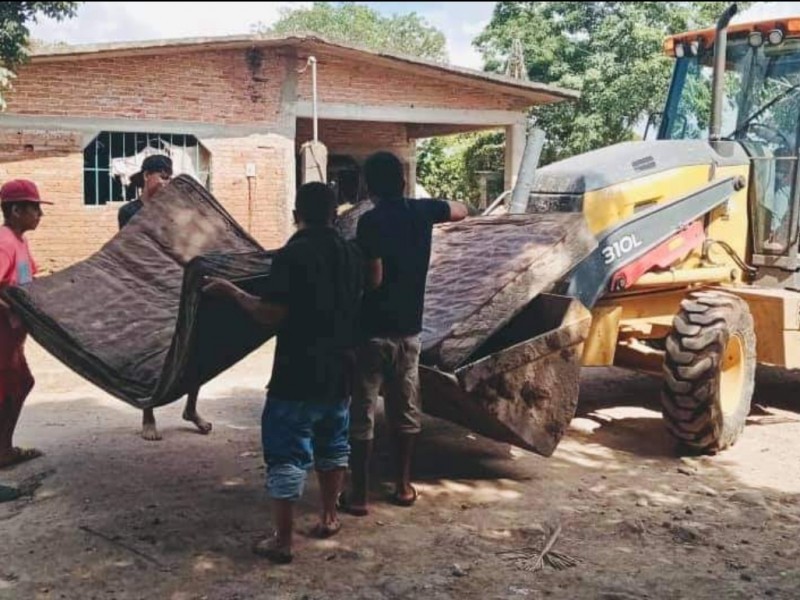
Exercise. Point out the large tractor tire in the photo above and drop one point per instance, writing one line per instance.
(709, 371)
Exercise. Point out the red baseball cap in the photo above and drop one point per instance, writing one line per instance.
(20, 190)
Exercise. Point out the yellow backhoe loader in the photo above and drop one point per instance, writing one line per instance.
(696, 274)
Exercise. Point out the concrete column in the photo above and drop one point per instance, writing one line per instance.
(289, 190)
(515, 146)
(313, 162)
(483, 190)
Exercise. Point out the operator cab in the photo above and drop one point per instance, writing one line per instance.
(761, 112)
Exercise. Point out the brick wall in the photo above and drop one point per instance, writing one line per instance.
(230, 86)
(54, 160)
(221, 87)
(71, 231)
(347, 81)
(262, 204)
(359, 138)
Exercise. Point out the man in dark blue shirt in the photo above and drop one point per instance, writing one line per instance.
(395, 238)
(313, 298)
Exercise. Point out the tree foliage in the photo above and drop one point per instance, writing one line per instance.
(449, 167)
(351, 23)
(609, 51)
(15, 36)
(440, 167)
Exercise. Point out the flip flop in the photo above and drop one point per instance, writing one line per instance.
(21, 455)
(343, 504)
(322, 532)
(398, 501)
(268, 548)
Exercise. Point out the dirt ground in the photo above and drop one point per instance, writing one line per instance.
(114, 516)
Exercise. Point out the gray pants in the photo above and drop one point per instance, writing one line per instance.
(394, 364)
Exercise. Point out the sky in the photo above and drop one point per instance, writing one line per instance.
(768, 10)
(100, 22)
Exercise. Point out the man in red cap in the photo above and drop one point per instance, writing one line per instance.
(155, 173)
(22, 211)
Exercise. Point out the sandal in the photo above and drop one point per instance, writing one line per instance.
(269, 548)
(21, 455)
(398, 500)
(321, 531)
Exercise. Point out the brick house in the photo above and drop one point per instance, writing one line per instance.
(233, 111)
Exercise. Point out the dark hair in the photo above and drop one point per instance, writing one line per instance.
(315, 204)
(155, 163)
(383, 172)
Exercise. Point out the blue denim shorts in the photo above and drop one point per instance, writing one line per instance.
(298, 435)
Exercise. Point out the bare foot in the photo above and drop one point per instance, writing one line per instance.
(150, 433)
(202, 425)
(18, 455)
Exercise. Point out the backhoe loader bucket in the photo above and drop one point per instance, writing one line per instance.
(522, 386)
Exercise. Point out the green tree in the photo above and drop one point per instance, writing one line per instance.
(15, 36)
(351, 23)
(440, 167)
(448, 167)
(610, 51)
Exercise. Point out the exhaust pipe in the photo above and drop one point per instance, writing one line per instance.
(520, 196)
(718, 90)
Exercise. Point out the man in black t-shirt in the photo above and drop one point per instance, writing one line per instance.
(155, 173)
(395, 238)
(312, 299)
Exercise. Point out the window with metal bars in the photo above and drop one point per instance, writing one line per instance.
(113, 156)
